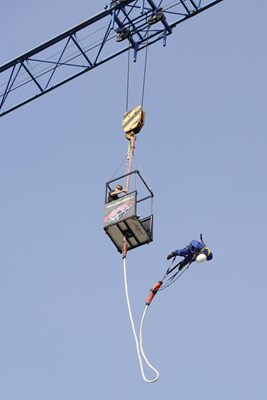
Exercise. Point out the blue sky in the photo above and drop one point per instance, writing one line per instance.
(65, 331)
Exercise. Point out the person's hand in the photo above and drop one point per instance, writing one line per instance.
(171, 255)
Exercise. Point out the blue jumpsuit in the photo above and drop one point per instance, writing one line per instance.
(193, 249)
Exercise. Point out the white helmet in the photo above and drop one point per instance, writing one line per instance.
(201, 258)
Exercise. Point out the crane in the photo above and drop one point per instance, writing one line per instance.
(123, 24)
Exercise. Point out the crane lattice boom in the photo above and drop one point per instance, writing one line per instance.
(124, 23)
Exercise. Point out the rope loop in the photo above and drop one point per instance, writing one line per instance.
(139, 344)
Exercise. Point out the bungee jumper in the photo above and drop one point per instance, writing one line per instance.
(196, 251)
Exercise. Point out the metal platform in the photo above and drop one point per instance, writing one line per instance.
(121, 217)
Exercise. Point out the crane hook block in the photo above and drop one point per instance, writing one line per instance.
(133, 121)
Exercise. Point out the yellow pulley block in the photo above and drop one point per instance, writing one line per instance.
(133, 121)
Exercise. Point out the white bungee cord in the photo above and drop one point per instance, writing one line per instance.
(139, 344)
